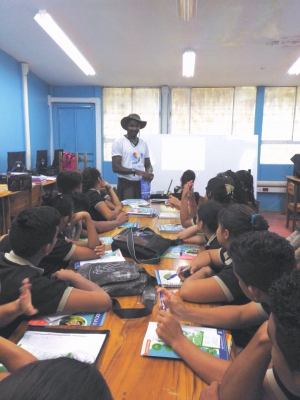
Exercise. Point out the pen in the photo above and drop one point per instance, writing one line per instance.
(162, 301)
(171, 276)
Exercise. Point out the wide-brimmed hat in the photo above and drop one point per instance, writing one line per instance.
(125, 120)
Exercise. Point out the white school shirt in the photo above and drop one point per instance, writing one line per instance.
(132, 156)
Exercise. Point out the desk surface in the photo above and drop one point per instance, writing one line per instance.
(129, 375)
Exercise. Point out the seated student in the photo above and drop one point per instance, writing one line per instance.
(70, 183)
(66, 250)
(248, 377)
(207, 225)
(238, 195)
(259, 259)
(212, 278)
(59, 378)
(246, 180)
(175, 199)
(218, 189)
(32, 235)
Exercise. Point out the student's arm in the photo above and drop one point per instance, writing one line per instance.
(13, 357)
(202, 290)
(174, 202)
(185, 216)
(23, 305)
(211, 392)
(112, 194)
(244, 378)
(207, 366)
(105, 226)
(190, 235)
(86, 295)
(204, 259)
(92, 235)
(226, 317)
(108, 214)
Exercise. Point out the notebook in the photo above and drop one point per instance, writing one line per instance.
(108, 256)
(163, 274)
(182, 251)
(137, 202)
(175, 228)
(169, 215)
(210, 340)
(69, 320)
(141, 211)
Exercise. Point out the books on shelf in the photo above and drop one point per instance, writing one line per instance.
(108, 256)
(211, 340)
(181, 251)
(136, 202)
(169, 215)
(162, 276)
(175, 228)
(130, 225)
(141, 211)
(83, 319)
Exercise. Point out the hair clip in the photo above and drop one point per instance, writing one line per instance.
(252, 218)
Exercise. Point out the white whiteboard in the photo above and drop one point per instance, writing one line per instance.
(171, 155)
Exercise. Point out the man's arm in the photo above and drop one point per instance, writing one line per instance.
(244, 378)
(207, 366)
(119, 169)
(86, 295)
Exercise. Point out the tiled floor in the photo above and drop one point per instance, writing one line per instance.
(276, 221)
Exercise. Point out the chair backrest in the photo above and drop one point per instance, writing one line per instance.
(41, 160)
(56, 157)
(291, 188)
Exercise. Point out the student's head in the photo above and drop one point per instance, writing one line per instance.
(236, 219)
(208, 215)
(259, 259)
(187, 176)
(220, 189)
(90, 177)
(238, 192)
(32, 229)
(69, 182)
(284, 323)
(61, 202)
(59, 378)
(246, 180)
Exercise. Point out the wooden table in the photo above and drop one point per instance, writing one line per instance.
(296, 182)
(129, 375)
(11, 203)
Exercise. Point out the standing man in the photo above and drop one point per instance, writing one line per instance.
(131, 159)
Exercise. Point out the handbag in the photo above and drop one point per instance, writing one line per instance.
(123, 278)
(142, 244)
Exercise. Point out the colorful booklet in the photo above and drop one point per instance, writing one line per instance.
(130, 225)
(162, 276)
(69, 320)
(175, 228)
(182, 251)
(169, 215)
(108, 256)
(136, 202)
(211, 340)
(141, 211)
(103, 239)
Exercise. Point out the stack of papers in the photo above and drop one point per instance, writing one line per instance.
(142, 211)
(137, 202)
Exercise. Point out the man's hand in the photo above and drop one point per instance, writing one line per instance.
(25, 305)
(173, 304)
(168, 328)
(211, 392)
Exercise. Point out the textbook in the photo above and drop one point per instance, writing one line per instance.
(108, 256)
(130, 225)
(162, 276)
(69, 320)
(175, 228)
(169, 215)
(136, 202)
(181, 251)
(103, 239)
(141, 211)
(45, 343)
(211, 340)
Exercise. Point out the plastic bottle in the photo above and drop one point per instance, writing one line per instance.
(145, 189)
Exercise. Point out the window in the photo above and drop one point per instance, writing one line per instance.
(120, 102)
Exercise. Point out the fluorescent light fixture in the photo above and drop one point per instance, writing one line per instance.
(295, 68)
(49, 25)
(188, 63)
(186, 9)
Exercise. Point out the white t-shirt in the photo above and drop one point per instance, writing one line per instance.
(132, 156)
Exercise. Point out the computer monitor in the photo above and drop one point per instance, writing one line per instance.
(16, 161)
(41, 160)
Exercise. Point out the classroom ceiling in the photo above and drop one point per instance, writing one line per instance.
(141, 42)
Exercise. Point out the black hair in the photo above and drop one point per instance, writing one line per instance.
(285, 301)
(187, 176)
(246, 180)
(32, 229)
(220, 189)
(260, 258)
(208, 214)
(90, 176)
(81, 202)
(68, 181)
(61, 202)
(239, 218)
(59, 378)
(238, 192)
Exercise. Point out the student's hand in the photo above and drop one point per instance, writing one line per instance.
(25, 305)
(211, 392)
(168, 328)
(64, 275)
(188, 190)
(174, 202)
(121, 218)
(100, 250)
(79, 216)
(180, 269)
(173, 304)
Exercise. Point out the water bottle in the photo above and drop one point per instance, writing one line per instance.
(145, 189)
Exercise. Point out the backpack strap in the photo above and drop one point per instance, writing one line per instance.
(131, 249)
